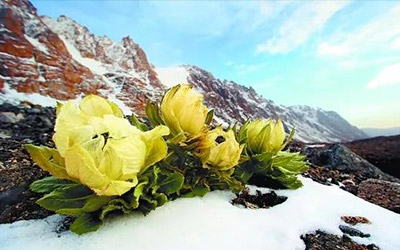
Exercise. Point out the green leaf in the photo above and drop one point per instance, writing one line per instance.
(243, 174)
(137, 193)
(85, 223)
(209, 117)
(49, 160)
(140, 125)
(92, 204)
(172, 183)
(286, 166)
(197, 191)
(113, 206)
(153, 113)
(160, 198)
(73, 197)
(241, 135)
(49, 184)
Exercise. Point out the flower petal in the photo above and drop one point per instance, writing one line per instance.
(156, 145)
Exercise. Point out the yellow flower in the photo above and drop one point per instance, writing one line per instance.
(265, 136)
(76, 125)
(219, 150)
(183, 110)
(100, 149)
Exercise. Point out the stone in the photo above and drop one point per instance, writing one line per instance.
(383, 193)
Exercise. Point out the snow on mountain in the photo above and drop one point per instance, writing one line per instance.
(60, 59)
(212, 222)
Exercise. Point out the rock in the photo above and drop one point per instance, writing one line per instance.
(339, 157)
(353, 232)
(383, 152)
(383, 193)
(10, 117)
(259, 200)
(323, 241)
(354, 220)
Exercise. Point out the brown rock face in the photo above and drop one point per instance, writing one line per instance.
(383, 193)
(383, 152)
(46, 68)
(34, 59)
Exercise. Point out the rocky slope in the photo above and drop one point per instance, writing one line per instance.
(383, 152)
(61, 59)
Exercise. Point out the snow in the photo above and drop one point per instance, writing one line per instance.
(95, 66)
(212, 222)
(171, 76)
(12, 96)
(125, 109)
(37, 44)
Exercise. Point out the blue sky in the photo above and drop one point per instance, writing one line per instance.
(342, 56)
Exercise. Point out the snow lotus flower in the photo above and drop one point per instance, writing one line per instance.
(183, 110)
(219, 150)
(99, 148)
(265, 136)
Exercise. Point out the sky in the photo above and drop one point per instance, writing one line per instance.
(336, 55)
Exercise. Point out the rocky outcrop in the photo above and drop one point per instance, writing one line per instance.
(383, 193)
(383, 152)
(34, 59)
(62, 59)
(339, 157)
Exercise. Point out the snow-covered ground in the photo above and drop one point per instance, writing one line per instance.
(212, 222)
(14, 97)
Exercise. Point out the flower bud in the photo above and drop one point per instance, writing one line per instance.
(219, 150)
(183, 110)
(265, 136)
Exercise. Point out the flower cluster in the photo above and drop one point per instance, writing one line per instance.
(105, 164)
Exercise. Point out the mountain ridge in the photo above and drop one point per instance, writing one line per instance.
(61, 59)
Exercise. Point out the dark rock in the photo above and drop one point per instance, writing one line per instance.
(339, 157)
(353, 232)
(383, 152)
(323, 241)
(17, 171)
(259, 200)
(383, 193)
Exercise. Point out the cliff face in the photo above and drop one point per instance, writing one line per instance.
(61, 59)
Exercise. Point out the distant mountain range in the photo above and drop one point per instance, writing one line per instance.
(373, 132)
(43, 59)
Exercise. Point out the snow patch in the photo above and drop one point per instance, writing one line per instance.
(95, 66)
(12, 96)
(37, 44)
(212, 222)
(171, 76)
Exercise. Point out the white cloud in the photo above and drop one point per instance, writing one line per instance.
(384, 29)
(325, 49)
(300, 26)
(390, 75)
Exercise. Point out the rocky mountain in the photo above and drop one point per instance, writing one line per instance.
(61, 59)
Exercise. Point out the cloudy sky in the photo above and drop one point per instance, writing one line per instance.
(342, 56)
